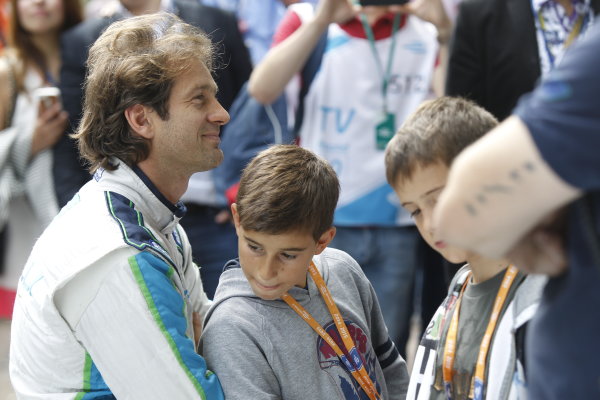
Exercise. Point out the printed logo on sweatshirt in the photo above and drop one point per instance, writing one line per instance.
(349, 389)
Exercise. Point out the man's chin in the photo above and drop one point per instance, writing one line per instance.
(215, 159)
(218, 158)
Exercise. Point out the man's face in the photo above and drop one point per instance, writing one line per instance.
(188, 141)
(273, 264)
(418, 195)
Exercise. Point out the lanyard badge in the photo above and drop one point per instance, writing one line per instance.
(386, 127)
(353, 363)
(384, 131)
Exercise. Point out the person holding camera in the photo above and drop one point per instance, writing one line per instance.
(29, 129)
(378, 66)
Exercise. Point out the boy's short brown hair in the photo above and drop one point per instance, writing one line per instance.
(286, 188)
(436, 132)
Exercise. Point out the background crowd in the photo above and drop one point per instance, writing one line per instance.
(371, 73)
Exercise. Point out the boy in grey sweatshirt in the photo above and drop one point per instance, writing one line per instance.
(293, 319)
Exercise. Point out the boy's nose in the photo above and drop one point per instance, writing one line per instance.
(268, 270)
(427, 225)
(430, 230)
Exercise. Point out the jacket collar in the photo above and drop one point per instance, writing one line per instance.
(132, 183)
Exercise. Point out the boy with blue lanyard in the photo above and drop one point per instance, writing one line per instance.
(293, 319)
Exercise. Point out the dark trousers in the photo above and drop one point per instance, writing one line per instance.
(212, 244)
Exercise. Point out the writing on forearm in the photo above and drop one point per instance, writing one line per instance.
(517, 176)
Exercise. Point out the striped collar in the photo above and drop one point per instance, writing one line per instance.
(134, 184)
(177, 209)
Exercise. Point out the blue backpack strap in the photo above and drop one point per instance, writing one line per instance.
(254, 126)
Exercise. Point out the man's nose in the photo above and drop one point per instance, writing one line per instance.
(218, 114)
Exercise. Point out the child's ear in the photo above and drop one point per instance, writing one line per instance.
(325, 239)
(236, 217)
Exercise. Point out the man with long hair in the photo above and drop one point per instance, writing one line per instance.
(110, 296)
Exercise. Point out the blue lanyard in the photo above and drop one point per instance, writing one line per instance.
(386, 75)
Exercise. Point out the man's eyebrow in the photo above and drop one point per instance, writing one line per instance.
(202, 88)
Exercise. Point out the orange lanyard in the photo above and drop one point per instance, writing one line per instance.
(354, 364)
(450, 346)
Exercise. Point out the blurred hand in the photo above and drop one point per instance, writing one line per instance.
(335, 11)
(223, 216)
(49, 127)
(542, 251)
(432, 11)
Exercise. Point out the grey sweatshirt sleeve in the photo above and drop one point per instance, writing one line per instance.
(235, 349)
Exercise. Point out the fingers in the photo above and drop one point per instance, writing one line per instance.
(552, 248)
(407, 8)
(52, 116)
(336, 11)
(50, 127)
(428, 10)
(541, 252)
(55, 126)
(57, 120)
(223, 216)
(48, 113)
(197, 322)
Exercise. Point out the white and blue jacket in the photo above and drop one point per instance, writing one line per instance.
(104, 305)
